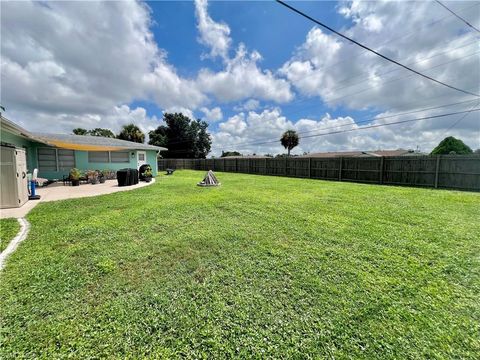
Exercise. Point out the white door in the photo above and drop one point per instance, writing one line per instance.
(22, 176)
(141, 158)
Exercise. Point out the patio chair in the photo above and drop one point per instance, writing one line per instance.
(66, 180)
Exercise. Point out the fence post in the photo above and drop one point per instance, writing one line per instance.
(340, 169)
(224, 164)
(248, 169)
(437, 167)
(286, 165)
(381, 169)
(265, 172)
(309, 167)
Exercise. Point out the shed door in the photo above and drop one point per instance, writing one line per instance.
(22, 181)
(141, 158)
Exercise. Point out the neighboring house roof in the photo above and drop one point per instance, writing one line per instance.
(398, 152)
(92, 143)
(245, 157)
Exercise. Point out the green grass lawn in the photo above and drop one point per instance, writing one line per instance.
(8, 230)
(259, 267)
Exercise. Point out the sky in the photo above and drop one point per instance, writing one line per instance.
(251, 69)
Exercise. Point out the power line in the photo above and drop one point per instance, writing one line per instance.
(396, 69)
(373, 51)
(458, 16)
(372, 126)
(366, 120)
(459, 120)
(396, 79)
(405, 35)
(365, 79)
(393, 123)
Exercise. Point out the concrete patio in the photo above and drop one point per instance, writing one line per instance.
(58, 191)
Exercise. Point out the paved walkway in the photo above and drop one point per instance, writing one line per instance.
(58, 191)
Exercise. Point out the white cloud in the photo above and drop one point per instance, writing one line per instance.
(235, 125)
(65, 122)
(428, 38)
(79, 59)
(212, 115)
(212, 34)
(248, 105)
(260, 133)
(242, 78)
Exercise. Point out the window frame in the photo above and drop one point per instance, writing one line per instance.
(57, 162)
(98, 162)
(127, 152)
(110, 161)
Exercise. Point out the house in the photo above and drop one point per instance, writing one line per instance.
(374, 153)
(55, 154)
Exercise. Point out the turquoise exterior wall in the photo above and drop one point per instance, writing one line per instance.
(152, 160)
(81, 158)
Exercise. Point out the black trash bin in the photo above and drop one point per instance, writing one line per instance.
(127, 177)
(133, 176)
(123, 177)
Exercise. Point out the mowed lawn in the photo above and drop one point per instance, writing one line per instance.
(8, 230)
(259, 267)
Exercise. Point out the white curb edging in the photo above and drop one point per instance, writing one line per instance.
(12, 246)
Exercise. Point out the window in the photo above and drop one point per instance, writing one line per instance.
(66, 159)
(50, 159)
(108, 156)
(47, 159)
(119, 156)
(98, 157)
(141, 156)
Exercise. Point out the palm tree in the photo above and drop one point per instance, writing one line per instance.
(289, 140)
(131, 132)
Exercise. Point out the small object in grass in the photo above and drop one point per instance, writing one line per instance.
(170, 171)
(209, 180)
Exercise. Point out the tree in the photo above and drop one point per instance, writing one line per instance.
(94, 132)
(230, 153)
(451, 145)
(131, 132)
(101, 132)
(80, 131)
(183, 137)
(289, 140)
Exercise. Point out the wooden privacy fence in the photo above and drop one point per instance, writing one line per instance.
(441, 171)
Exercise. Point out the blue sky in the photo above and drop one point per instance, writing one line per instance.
(261, 25)
(251, 69)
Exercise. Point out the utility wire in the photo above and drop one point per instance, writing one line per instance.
(368, 120)
(459, 120)
(458, 16)
(397, 79)
(373, 51)
(370, 126)
(367, 77)
(407, 35)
